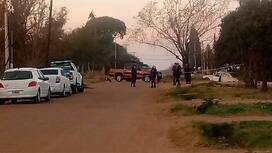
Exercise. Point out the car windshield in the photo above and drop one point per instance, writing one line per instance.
(17, 75)
(64, 65)
(50, 72)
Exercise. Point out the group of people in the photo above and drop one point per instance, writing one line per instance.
(177, 71)
(155, 76)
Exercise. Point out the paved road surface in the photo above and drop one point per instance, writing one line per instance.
(110, 118)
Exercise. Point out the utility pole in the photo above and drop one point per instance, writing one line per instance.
(49, 32)
(11, 49)
(7, 62)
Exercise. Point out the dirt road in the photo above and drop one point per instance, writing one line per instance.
(109, 118)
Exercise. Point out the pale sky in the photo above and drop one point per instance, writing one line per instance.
(124, 10)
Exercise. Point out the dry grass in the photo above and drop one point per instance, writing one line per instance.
(218, 91)
(185, 136)
(95, 77)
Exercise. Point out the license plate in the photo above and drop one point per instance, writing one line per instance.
(16, 92)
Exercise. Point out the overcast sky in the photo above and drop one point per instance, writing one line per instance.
(124, 10)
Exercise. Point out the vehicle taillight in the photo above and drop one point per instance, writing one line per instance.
(32, 84)
(71, 77)
(1, 85)
(58, 79)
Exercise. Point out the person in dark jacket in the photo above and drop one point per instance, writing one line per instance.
(133, 76)
(159, 77)
(178, 74)
(153, 76)
(187, 73)
(174, 70)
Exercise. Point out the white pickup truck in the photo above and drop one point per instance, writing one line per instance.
(72, 73)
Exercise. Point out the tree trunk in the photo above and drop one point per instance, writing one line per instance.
(264, 86)
(264, 81)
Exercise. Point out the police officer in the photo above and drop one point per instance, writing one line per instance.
(153, 76)
(133, 76)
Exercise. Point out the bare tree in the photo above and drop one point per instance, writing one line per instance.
(30, 26)
(169, 25)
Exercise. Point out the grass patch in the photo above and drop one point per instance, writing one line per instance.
(218, 109)
(183, 110)
(248, 134)
(219, 91)
(265, 108)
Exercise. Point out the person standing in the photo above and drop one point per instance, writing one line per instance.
(178, 74)
(187, 73)
(174, 70)
(159, 77)
(153, 76)
(133, 76)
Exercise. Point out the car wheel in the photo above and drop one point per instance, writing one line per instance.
(48, 97)
(63, 94)
(14, 101)
(2, 102)
(207, 79)
(119, 78)
(74, 89)
(147, 78)
(37, 99)
(70, 92)
(81, 88)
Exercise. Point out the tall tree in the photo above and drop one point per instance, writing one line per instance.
(93, 44)
(2, 39)
(169, 27)
(30, 24)
(246, 38)
(209, 57)
(194, 49)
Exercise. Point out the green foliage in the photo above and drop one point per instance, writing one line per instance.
(208, 103)
(246, 38)
(93, 44)
(248, 134)
(210, 107)
(219, 91)
(240, 108)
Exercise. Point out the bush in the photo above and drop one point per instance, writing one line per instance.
(248, 134)
(208, 102)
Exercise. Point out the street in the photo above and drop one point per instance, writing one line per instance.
(107, 118)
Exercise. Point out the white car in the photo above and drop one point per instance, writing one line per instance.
(76, 79)
(24, 83)
(59, 83)
(225, 77)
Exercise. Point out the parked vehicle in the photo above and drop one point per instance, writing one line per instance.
(221, 77)
(146, 74)
(24, 83)
(72, 72)
(124, 74)
(58, 81)
(119, 75)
